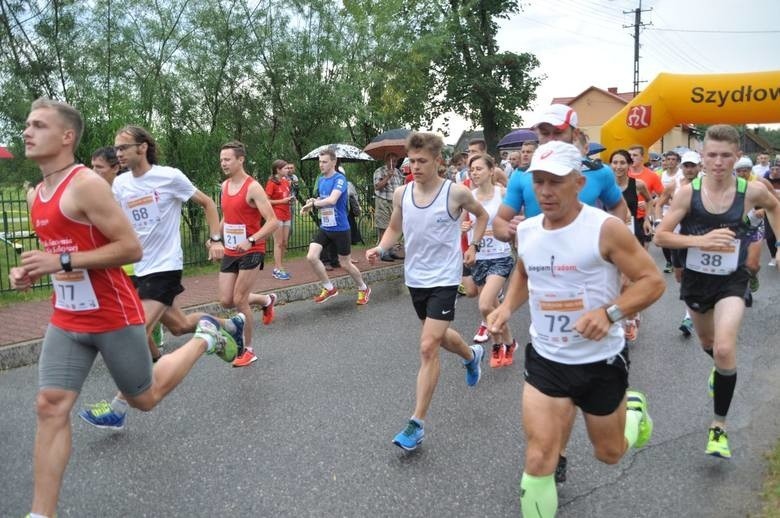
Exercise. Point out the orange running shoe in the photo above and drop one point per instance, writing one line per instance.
(326, 294)
(268, 311)
(497, 356)
(509, 351)
(364, 296)
(247, 358)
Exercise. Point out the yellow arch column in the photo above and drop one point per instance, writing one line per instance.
(673, 99)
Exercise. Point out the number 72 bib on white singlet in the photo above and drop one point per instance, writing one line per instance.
(143, 212)
(73, 291)
(554, 313)
(714, 261)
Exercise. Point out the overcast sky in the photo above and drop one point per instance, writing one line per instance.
(582, 43)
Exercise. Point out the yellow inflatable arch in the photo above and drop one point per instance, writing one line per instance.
(673, 99)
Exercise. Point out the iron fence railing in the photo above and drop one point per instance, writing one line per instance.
(17, 235)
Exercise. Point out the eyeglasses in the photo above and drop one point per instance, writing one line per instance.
(125, 147)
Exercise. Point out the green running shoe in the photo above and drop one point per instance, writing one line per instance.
(711, 383)
(224, 345)
(718, 443)
(637, 402)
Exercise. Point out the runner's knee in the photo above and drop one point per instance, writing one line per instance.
(609, 453)
(52, 405)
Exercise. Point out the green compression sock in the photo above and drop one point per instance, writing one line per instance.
(632, 426)
(538, 496)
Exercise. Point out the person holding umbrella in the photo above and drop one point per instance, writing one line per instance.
(386, 179)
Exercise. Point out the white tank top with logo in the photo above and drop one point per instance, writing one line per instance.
(432, 240)
(489, 246)
(567, 277)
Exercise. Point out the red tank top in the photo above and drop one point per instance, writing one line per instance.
(85, 301)
(241, 220)
(276, 190)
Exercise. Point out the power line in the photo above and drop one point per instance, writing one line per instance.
(703, 31)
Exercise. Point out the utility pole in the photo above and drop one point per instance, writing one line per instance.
(637, 25)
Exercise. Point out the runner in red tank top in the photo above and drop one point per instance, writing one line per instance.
(247, 220)
(86, 239)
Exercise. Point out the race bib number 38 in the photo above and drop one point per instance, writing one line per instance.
(554, 313)
(73, 291)
(714, 261)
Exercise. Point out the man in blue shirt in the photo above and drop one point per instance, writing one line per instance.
(334, 228)
(559, 122)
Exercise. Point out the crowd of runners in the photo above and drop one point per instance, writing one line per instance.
(549, 228)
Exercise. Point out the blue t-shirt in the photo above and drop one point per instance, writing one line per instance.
(600, 185)
(324, 187)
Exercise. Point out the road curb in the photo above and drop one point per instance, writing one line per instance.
(26, 353)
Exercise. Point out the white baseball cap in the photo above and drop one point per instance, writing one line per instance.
(691, 157)
(559, 115)
(556, 157)
(744, 163)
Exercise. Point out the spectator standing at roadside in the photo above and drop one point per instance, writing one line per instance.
(386, 180)
(280, 196)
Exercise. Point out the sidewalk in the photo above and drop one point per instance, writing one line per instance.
(24, 324)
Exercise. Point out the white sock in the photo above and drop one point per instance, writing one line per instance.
(363, 287)
(687, 314)
(36, 515)
(327, 285)
(119, 406)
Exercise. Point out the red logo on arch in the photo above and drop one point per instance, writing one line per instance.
(639, 116)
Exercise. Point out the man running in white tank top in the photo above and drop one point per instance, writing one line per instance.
(428, 211)
(570, 259)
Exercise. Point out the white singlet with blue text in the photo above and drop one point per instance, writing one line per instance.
(567, 277)
(431, 240)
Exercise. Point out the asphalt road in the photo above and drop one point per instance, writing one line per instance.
(307, 430)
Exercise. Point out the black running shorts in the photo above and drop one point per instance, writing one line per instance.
(597, 388)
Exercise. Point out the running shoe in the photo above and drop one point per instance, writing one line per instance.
(668, 268)
(686, 326)
(158, 336)
(364, 296)
(461, 290)
(718, 443)
(473, 367)
(101, 415)
(560, 470)
(497, 356)
(326, 294)
(711, 383)
(239, 319)
(637, 402)
(631, 330)
(223, 346)
(772, 262)
(281, 275)
(509, 351)
(269, 311)
(246, 358)
(410, 437)
(754, 284)
(482, 333)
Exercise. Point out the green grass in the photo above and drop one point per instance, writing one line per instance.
(771, 495)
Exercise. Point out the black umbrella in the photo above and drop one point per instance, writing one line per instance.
(517, 137)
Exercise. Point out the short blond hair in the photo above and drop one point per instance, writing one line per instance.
(69, 115)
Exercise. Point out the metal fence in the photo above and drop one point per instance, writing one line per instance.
(17, 235)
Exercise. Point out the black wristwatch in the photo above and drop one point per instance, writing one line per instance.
(65, 262)
(476, 246)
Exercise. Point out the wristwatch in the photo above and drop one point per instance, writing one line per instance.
(476, 246)
(614, 313)
(251, 240)
(215, 238)
(65, 262)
